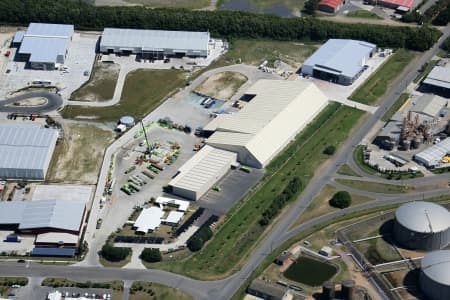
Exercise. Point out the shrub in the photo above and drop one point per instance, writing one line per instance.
(151, 255)
(115, 254)
(329, 150)
(194, 243)
(341, 199)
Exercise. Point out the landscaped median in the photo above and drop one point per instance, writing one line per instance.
(242, 229)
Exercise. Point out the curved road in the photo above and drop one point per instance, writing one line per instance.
(54, 101)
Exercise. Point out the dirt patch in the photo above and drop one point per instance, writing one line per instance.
(38, 101)
(100, 86)
(78, 157)
(222, 85)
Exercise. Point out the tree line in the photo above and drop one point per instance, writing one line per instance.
(438, 14)
(220, 23)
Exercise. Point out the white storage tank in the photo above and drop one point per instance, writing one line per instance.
(435, 275)
(127, 121)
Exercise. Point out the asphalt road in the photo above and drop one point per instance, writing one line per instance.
(54, 101)
(224, 289)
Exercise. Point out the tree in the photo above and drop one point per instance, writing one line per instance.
(151, 255)
(115, 254)
(194, 243)
(341, 199)
(311, 6)
(329, 150)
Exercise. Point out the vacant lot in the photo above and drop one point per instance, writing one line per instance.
(143, 91)
(377, 84)
(78, 157)
(141, 290)
(100, 86)
(222, 86)
(254, 52)
(190, 4)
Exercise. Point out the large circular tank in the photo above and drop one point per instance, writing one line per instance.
(328, 290)
(348, 289)
(127, 121)
(422, 226)
(435, 275)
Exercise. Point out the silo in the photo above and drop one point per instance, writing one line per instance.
(328, 290)
(422, 226)
(348, 289)
(435, 275)
(127, 121)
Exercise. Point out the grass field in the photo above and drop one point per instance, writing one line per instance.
(116, 285)
(188, 4)
(364, 14)
(320, 206)
(254, 52)
(264, 4)
(223, 85)
(241, 231)
(374, 187)
(378, 251)
(100, 86)
(310, 271)
(394, 108)
(143, 91)
(377, 84)
(347, 170)
(78, 157)
(141, 290)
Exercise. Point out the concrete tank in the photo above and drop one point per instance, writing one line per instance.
(127, 121)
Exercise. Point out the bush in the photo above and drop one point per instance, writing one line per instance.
(341, 199)
(115, 254)
(151, 255)
(194, 243)
(329, 150)
(446, 44)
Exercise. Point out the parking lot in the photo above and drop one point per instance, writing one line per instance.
(80, 58)
(26, 244)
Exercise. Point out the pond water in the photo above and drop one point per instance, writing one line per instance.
(310, 271)
(278, 9)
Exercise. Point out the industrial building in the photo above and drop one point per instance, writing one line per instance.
(422, 226)
(429, 107)
(331, 6)
(265, 290)
(432, 156)
(399, 5)
(26, 151)
(339, 60)
(277, 112)
(37, 217)
(180, 205)
(148, 220)
(201, 172)
(439, 79)
(434, 278)
(154, 43)
(44, 46)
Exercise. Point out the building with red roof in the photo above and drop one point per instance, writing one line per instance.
(404, 5)
(331, 6)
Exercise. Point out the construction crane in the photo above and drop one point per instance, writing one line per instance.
(146, 138)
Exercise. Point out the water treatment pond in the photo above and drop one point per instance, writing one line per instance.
(310, 271)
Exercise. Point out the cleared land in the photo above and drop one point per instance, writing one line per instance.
(363, 14)
(237, 237)
(78, 157)
(223, 85)
(254, 52)
(377, 84)
(142, 290)
(143, 91)
(374, 187)
(189, 4)
(320, 205)
(100, 86)
(347, 170)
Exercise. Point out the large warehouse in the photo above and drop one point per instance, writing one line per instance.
(43, 216)
(434, 278)
(422, 226)
(154, 43)
(201, 172)
(340, 61)
(278, 111)
(439, 79)
(432, 156)
(25, 151)
(44, 45)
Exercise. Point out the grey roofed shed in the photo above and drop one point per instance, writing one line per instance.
(154, 40)
(432, 156)
(11, 212)
(50, 30)
(25, 151)
(439, 76)
(429, 105)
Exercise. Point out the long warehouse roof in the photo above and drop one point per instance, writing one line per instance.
(66, 215)
(155, 40)
(341, 56)
(439, 76)
(434, 154)
(202, 167)
(430, 105)
(25, 146)
(279, 109)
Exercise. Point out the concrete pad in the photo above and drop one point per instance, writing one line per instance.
(64, 192)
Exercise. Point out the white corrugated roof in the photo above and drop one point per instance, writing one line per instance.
(203, 166)
(439, 76)
(430, 105)
(11, 212)
(56, 237)
(154, 39)
(25, 146)
(267, 123)
(50, 30)
(182, 205)
(174, 217)
(434, 154)
(149, 219)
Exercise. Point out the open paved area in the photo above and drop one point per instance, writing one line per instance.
(26, 244)
(63, 192)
